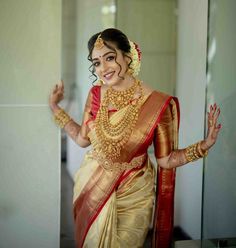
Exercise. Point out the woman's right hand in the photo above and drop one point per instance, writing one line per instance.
(56, 95)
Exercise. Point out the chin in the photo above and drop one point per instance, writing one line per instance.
(112, 82)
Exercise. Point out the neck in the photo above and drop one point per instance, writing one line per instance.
(126, 83)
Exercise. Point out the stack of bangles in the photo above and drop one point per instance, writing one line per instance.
(62, 118)
(195, 152)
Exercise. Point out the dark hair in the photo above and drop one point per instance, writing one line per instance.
(110, 35)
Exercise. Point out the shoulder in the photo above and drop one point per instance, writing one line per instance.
(95, 89)
(155, 93)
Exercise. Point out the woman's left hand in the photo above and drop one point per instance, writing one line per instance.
(213, 127)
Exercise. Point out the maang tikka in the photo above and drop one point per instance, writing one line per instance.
(99, 43)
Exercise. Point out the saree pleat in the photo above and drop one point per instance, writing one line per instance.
(126, 216)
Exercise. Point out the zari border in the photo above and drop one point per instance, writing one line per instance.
(164, 211)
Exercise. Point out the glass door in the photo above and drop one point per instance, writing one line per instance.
(219, 189)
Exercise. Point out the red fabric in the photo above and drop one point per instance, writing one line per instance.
(96, 98)
(164, 210)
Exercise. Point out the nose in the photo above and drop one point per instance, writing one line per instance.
(103, 66)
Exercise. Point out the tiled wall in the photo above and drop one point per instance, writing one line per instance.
(30, 33)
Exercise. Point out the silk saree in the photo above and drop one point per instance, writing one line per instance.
(114, 207)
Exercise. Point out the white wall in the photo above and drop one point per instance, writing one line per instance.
(190, 89)
(30, 58)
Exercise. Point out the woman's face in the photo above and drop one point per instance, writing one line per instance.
(106, 63)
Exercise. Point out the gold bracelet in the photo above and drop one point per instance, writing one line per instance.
(190, 153)
(194, 152)
(62, 118)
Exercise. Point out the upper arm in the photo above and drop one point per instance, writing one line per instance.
(90, 109)
(163, 138)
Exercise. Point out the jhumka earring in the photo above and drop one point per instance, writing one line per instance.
(99, 43)
(100, 82)
(130, 71)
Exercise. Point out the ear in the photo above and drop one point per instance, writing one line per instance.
(127, 59)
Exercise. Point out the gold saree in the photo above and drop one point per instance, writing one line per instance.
(113, 208)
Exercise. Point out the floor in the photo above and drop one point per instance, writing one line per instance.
(67, 228)
(67, 225)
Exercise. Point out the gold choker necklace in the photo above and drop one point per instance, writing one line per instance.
(120, 99)
(113, 137)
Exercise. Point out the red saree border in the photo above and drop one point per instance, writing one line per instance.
(164, 211)
(88, 206)
(117, 180)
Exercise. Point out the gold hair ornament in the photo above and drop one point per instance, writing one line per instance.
(99, 43)
(135, 54)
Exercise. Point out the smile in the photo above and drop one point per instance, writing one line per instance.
(108, 75)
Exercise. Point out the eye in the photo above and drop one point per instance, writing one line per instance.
(96, 64)
(110, 58)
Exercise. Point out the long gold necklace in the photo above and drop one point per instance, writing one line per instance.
(112, 137)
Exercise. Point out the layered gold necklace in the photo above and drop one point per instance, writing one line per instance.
(112, 137)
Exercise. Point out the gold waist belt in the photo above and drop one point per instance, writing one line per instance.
(109, 165)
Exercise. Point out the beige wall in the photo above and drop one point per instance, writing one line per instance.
(30, 34)
(152, 24)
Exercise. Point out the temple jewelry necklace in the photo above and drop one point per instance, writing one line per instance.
(112, 137)
(120, 99)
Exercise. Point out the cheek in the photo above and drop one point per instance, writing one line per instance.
(97, 69)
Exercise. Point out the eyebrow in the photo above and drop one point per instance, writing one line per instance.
(103, 55)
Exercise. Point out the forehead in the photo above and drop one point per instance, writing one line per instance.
(96, 53)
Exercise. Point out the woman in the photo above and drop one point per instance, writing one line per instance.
(114, 187)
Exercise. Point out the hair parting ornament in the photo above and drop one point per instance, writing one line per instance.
(99, 44)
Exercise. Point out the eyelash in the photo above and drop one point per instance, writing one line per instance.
(109, 58)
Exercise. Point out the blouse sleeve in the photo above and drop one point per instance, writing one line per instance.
(164, 136)
(90, 109)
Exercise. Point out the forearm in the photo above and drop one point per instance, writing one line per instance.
(72, 129)
(177, 158)
(181, 157)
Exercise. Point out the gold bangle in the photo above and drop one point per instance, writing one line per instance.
(194, 152)
(190, 153)
(61, 118)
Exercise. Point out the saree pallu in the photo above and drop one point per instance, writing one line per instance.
(114, 208)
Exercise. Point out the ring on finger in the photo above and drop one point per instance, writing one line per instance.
(210, 122)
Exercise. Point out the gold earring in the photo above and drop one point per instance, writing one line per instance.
(100, 82)
(130, 71)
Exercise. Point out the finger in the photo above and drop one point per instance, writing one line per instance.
(211, 111)
(61, 86)
(214, 109)
(55, 88)
(216, 131)
(210, 121)
(216, 115)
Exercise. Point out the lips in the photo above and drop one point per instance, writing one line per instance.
(108, 75)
